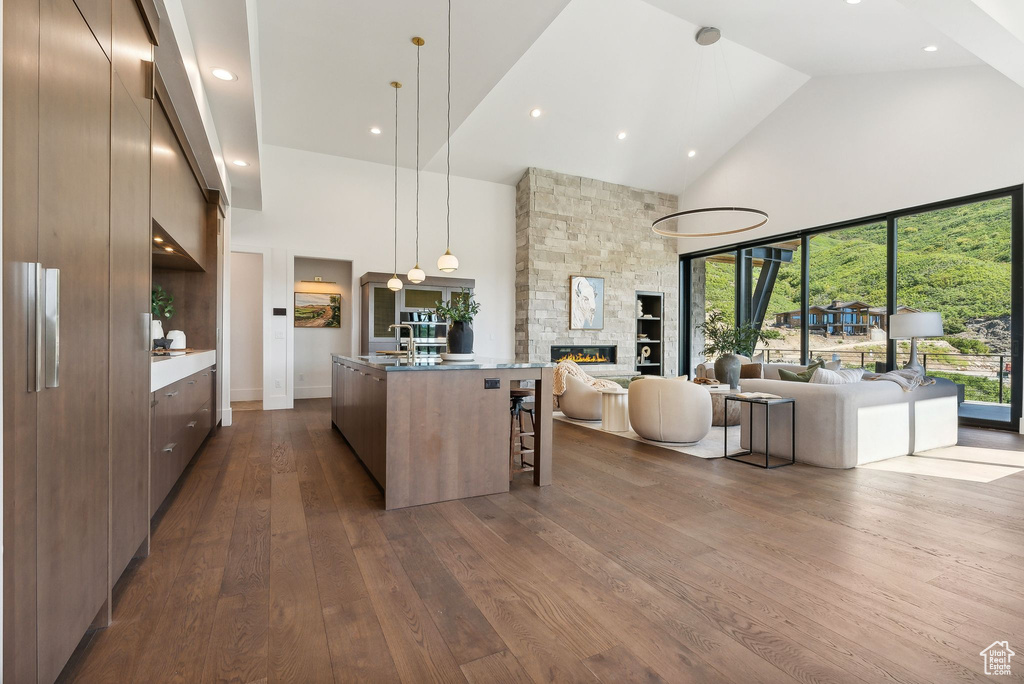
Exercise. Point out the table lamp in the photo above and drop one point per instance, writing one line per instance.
(910, 326)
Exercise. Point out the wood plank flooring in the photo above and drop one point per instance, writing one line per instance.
(274, 561)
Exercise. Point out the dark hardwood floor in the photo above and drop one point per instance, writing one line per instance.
(275, 562)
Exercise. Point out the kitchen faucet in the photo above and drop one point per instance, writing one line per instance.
(412, 343)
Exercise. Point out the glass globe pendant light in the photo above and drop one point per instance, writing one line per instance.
(447, 261)
(395, 283)
(416, 274)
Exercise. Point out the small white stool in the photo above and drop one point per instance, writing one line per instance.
(614, 410)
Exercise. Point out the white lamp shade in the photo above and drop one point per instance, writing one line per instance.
(905, 326)
(447, 262)
(395, 284)
(416, 275)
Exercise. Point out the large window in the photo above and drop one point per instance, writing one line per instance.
(960, 258)
(958, 261)
(846, 295)
(775, 298)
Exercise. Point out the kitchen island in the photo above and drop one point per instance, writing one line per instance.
(430, 431)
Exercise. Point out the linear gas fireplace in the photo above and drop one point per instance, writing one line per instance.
(585, 353)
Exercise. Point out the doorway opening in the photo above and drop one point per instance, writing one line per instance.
(246, 331)
(322, 322)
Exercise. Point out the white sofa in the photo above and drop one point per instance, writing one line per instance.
(842, 426)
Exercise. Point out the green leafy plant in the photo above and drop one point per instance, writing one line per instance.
(461, 307)
(721, 337)
(163, 303)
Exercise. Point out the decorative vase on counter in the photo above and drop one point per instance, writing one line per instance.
(460, 338)
(156, 329)
(727, 370)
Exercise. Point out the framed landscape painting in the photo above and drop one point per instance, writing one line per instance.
(586, 303)
(317, 310)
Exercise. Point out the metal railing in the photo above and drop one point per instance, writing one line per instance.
(940, 363)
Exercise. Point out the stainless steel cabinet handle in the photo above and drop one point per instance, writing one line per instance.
(192, 423)
(206, 375)
(170, 447)
(191, 382)
(172, 394)
(52, 327)
(147, 331)
(36, 276)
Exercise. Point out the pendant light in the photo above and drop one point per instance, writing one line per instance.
(416, 275)
(395, 283)
(713, 219)
(447, 261)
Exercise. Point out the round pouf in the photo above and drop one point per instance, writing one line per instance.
(669, 410)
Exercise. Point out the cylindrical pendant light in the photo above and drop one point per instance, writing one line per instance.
(447, 262)
(395, 283)
(416, 275)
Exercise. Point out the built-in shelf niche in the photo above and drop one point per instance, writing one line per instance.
(650, 309)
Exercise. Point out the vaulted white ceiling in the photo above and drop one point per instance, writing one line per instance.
(594, 67)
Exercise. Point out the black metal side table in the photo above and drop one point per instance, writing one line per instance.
(768, 404)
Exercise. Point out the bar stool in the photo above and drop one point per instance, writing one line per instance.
(517, 434)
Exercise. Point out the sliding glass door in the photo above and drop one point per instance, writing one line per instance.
(830, 292)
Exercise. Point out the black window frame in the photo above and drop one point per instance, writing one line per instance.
(889, 218)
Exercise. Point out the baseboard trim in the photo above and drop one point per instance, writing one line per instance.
(321, 392)
(255, 394)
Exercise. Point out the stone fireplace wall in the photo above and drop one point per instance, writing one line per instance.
(567, 225)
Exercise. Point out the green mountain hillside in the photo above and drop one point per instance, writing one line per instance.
(955, 261)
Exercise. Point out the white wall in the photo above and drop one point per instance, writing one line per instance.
(844, 147)
(314, 346)
(317, 205)
(246, 316)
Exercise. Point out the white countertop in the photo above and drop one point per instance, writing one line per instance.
(170, 369)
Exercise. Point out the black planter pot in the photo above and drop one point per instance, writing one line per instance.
(460, 338)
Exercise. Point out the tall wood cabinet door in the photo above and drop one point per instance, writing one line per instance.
(129, 329)
(74, 232)
(20, 252)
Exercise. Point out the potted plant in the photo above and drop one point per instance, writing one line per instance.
(163, 307)
(726, 343)
(459, 311)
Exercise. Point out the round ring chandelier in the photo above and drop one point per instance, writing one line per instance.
(705, 37)
(665, 232)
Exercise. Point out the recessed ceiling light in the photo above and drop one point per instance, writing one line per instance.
(223, 74)
(375, 130)
(239, 162)
(169, 249)
(852, 2)
(931, 48)
(621, 135)
(692, 153)
(158, 239)
(535, 113)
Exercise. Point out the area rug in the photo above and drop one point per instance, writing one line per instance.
(710, 447)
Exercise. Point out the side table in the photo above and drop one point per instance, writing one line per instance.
(614, 410)
(768, 404)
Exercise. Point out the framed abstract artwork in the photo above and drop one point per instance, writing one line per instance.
(586, 303)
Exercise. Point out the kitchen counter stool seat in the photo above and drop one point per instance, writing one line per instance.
(517, 434)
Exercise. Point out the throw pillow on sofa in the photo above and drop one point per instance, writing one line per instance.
(751, 371)
(846, 376)
(803, 376)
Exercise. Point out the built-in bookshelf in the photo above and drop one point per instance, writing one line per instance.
(649, 357)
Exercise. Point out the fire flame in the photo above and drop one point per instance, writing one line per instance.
(579, 357)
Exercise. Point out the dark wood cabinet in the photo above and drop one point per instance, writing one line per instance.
(76, 291)
(179, 204)
(359, 410)
(182, 418)
(129, 288)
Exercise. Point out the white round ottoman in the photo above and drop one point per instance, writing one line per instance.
(669, 410)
